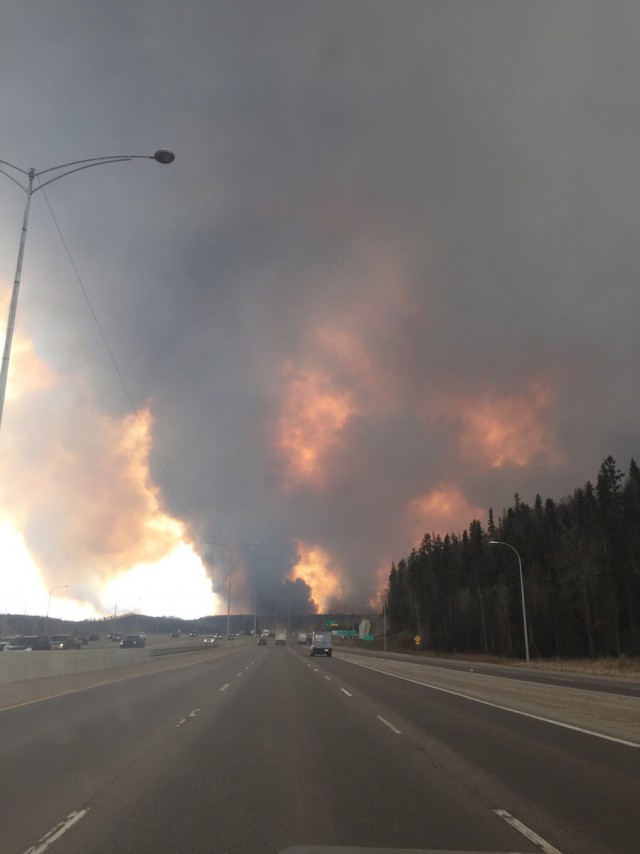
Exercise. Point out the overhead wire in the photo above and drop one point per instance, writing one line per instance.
(110, 352)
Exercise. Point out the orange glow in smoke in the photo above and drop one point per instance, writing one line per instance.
(442, 511)
(78, 505)
(314, 568)
(510, 430)
(310, 425)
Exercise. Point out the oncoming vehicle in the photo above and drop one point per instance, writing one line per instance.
(132, 641)
(30, 642)
(65, 642)
(210, 640)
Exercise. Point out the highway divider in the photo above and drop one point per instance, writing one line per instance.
(17, 666)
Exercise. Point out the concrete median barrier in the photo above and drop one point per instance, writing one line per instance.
(16, 666)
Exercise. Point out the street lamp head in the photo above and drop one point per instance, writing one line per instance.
(163, 155)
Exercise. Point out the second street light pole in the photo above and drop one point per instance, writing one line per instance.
(384, 613)
(524, 610)
(230, 550)
(162, 155)
(46, 619)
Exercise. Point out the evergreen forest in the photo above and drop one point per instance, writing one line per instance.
(580, 561)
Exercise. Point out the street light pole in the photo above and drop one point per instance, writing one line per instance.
(230, 550)
(384, 613)
(46, 619)
(162, 155)
(524, 612)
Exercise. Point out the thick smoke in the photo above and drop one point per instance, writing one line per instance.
(389, 281)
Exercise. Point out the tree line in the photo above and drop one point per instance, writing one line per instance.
(581, 569)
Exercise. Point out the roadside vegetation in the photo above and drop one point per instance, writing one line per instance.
(581, 568)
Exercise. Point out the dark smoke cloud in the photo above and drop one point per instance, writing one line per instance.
(432, 207)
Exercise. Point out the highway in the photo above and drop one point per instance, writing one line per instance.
(257, 749)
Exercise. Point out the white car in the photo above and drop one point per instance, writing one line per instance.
(209, 639)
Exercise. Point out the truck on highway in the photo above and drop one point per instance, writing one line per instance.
(321, 643)
(281, 637)
(302, 637)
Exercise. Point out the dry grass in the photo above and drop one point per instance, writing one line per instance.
(623, 667)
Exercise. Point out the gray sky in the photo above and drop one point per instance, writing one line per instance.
(390, 279)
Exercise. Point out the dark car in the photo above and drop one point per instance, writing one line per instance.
(30, 642)
(115, 636)
(262, 641)
(131, 641)
(193, 634)
(175, 634)
(65, 642)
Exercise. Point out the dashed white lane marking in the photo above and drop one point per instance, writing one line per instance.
(316, 669)
(344, 691)
(238, 674)
(56, 832)
(390, 725)
(224, 687)
(190, 715)
(497, 706)
(328, 678)
(531, 835)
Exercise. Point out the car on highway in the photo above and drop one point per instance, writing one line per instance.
(193, 634)
(65, 642)
(209, 640)
(114, 636)
(262, 641)
(175, 634)
(132, 641)
(30, 642)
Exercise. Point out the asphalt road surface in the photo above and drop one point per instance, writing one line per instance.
(256, 749)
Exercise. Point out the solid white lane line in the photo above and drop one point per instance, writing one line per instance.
(390, 725)
(497, 706)
(224, 687)
(531, 835)
(56, 832)
(344, 691)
